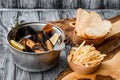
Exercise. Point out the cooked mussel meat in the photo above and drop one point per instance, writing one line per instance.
(49, 44)
(48, 29)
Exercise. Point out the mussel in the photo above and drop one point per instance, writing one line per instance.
(24, 31)
(47, 29)
(42, 39)
(37, 41)
(49, 44)
(38, 48)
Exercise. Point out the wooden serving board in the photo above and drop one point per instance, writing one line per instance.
(111, 46)
(68, 30)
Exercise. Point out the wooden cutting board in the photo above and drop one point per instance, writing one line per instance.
(68, 30)
(111, 47)
(109, 67)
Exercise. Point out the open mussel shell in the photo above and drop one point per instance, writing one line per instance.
(25, 37)
(47, 29)
(42, 36)
(38, 47)
(24, 31)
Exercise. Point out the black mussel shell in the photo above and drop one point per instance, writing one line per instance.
(34, 38)
(50, 35)
(25, 37)
(24, 31)
(44, 46)
(51, 43)
(31, 30)
(27, 49)
(42, 36)
(35, 47)
(45, 37)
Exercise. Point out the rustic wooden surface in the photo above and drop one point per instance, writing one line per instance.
(60, 4)
(110, 47)
(8, 70)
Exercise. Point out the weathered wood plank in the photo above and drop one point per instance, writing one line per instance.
(90, 4)
(67, 14)
(3, 65)
(67, 4)
(60, 4)
(6, 19)
(11, 70)
(49, 4)
(22, 75)
(111, 4)
(107, 14)
(48, 15)
(45, 16)
(28, 4)
(28, 16)
(8, 4)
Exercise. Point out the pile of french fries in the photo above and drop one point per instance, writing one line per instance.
(85, 55)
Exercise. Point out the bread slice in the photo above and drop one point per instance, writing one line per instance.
(90, 25)
(85, 19)
(95, 18)
(99, 30)
(81, 20)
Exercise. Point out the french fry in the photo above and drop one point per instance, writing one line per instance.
(86, 55)
(78, 49)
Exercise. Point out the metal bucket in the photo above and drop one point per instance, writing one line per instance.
(29, 61)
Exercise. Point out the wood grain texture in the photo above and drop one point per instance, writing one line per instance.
(8, 70)
(27, 3)
(56, 15)
(60, 4)
(8, 4)
(6, 19)
(49, 4)
(111, 4)
(91, 4)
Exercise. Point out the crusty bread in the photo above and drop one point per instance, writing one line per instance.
(81, 19)
(90, 25)
(95, 18)
(99, 30)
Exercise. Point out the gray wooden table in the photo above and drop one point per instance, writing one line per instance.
(60, 4)
(8, 70)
